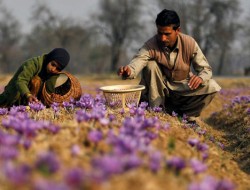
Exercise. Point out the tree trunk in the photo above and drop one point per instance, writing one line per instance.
(221, 61)
(115, 57)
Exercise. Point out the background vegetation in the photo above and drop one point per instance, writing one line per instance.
(119, 28)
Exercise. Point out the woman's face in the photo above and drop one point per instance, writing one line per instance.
(53, 67)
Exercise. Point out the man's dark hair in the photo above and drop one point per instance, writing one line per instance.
(167, 18)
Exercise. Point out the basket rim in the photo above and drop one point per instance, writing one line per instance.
(122, 88)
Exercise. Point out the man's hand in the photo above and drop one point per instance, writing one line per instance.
(194, 82)
(125, 72)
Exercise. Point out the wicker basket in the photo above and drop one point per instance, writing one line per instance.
(121, 96)
(71, 88)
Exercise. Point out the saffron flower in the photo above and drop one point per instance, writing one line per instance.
(174, 114)
(8, 152)
(197, 166)
(143, 105)
(155, 161)
(86, 101)
(74, 178)
(176, 163)
(202, 147)
(47, 185)
(210, 183)
(75, 150)
(36, 106)
(47, 163)
(108, 165)
(55, 107)
(193, 142)
(131, 161)
(3, 111)
(68, 105)
(95, 136)
(17, 174)
(157, 109)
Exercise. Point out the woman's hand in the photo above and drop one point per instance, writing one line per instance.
(31, 98)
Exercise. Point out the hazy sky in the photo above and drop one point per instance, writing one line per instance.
(79, 9)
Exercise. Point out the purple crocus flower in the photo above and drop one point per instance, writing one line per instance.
(122, 111)
(82, 115)
(166, 127)
(155, 161)
(193, 142)
(139, 111)
(9, 139)
(143, 105)
(132, 111)
(68, 105)
(202, 147)
(225, 185)
(48, 185)
(17, 174)
(75, 150)
(55, 107)
(176, 163)
(8, 152)
(221, 145)
(112, 117)
(211, 138)
(104, 121)
(3, 111)
(174, 114)
(47, 163)
(86, 101)
(100, 98)
(36, 106)
(204, 156)
(16, 109)
(74, 178)
(131, 161)
(157, 109)
(210, 183)
(95, 136)
(197, 166)
(108, 165)
(26, 143)
(201, 131)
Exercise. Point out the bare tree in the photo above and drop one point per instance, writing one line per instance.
(9, 39)
(52, 31)
(120, 23)
(225, 28)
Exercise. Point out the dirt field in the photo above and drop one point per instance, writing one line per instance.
(227, 136)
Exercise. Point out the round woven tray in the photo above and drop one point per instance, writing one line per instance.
(121, 96)
(71, 88)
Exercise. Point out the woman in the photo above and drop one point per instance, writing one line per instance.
(25, 86)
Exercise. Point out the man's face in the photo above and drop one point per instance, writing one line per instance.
(53, 67)
(167, 35)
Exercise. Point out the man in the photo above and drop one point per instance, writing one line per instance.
(175, 72)
(26, 84)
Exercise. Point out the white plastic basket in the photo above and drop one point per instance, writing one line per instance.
(120, 96)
